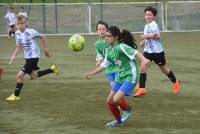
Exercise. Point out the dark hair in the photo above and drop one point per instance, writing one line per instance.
(101, 22)
(153, 10)
(128, 39)
(11, 8)
(115, 32)
(21, 7)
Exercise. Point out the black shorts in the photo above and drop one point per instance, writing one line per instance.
(158, 58)
(30, 65)
(12, 26)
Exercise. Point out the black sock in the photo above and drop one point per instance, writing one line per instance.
(13, 33)
(10, 33)
(143, 77)
(44, 72)
(171, 76)
(18, 88)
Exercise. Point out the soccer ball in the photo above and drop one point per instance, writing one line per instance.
(76, 42)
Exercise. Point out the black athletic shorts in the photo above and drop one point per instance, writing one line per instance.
(158, 58)
(30, 65)
(12, 26)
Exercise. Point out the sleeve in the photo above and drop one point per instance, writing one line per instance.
(128, 51)
(106, 62)
(35, 34)
(18, 40)
(155, 29)
(98, 56)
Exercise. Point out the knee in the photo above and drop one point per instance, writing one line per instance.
(116, 100)
(109, 100)
(20, 78)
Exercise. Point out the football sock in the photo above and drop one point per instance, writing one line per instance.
(115, 111)
(18, 88)
(142, 82)
(10, 33)
(44, 72)
(171, 76)
(123, 105)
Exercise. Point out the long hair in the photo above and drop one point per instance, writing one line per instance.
(128, 39)
(114, 30)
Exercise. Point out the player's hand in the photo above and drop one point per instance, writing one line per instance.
(47, 54)
(142, 43)
(88, 75)
(12, 59)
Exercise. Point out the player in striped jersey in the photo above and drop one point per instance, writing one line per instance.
(26, 39)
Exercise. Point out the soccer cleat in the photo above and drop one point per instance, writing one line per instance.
(177, 87)
(140, 92)
(55, 69)
(126, 115)
(113, 124)
(13, 98)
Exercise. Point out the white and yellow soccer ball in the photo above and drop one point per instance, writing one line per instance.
(76, 42)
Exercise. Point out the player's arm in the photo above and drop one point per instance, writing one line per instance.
(144, 62)
(149, 36)
(45, 45)
(99, 69)
(16, 52)
(94, 72)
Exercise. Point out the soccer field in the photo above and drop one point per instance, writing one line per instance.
(69, 104)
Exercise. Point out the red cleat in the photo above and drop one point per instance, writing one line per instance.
(177, 87)
(140, 92)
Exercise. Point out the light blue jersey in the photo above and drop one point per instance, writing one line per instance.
(28, 40)
(152, 45)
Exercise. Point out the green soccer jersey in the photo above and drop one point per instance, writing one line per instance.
(122, 56)
(101, 46)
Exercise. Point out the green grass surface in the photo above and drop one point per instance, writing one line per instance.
(69, 104)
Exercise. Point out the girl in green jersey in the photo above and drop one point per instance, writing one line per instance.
(122, 56)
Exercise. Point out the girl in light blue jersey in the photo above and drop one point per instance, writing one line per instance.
(26, 40)
(154, 51)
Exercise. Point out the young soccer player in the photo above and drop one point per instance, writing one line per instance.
(22, 12)
(1, 72)
(101, 46)
(26, 39)
(153, 51)
(10, 17)
(123, 57)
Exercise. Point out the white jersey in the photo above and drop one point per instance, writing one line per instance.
(152, 45)
(28, 40)
(24, 14)
(10, 17)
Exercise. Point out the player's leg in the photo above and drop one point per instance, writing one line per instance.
(161, 62)
(126, 89)
(143, 77)
(52, 69)
(172, 77)
(114, 107)
(19, 85)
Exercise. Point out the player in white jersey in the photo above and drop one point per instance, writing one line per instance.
(10, 17)
(26, 40)
(153, 51)
(22, 12)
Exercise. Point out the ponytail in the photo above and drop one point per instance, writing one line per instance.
(128, 39)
